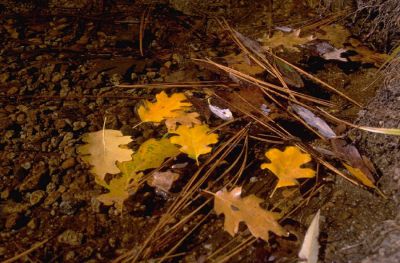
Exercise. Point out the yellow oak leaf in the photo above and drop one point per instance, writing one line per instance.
(165, 107)
(185, 118)
(248, 210)
(337, 35)
(194, 140)
(288, 40)
(151, 154)
(357, 173)
(286, 165)
(102, 150)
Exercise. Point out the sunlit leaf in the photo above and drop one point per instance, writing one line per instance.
(286, 165)
(102, 150)
(194, 140)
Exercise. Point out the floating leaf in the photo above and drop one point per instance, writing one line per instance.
(194, 140)
(248, 210)
(357, 173)
(185, 118)
(103, 150)
(288, 40)
(224, 114)
(286, 165)
(165, 107)
(310, 247)
(366, 55)
(337, 35)
(151, 154)
(335, 54)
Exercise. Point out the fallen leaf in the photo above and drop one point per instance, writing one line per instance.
(194, 140)
(366, 55)
(102, 150)
(314, 121)
(349, 153)
(165, 107)
(224, 114)
(357, 173)
(335, 54)
(310, 247)
(163, 180)
(286, 165)
(185, 118)
(118, 192)
(288, 40)
(243, 64)
(337, 35)
(151, 154)
(248, 210)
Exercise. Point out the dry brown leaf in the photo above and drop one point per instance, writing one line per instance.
(247, 210)
(288, 40)
(102, 150)
(243, 64)
(337, 35)
(286, 165)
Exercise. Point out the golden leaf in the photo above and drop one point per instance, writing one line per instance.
(243, 64)
(151, 154)
(337, 35)
(287, 40)
(366, 55)
(286, 165)
(194, 140)
(184, 118)
(357, 173)
(103, 150)
(165, 107)
(248, 210)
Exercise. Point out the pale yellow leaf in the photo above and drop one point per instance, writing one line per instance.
(103, 149)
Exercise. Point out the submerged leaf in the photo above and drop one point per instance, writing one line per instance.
(163, 180)
(247, 210)
(286, 165)
(165, 107)
(103, 150)
(337, 35)
(243, 64)
(194, 140)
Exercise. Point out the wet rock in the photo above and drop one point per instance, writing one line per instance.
(78, 125)
(71, 238)
(37, 176)
(69, 207)
(70, 162)
(36, 197)
(70, 256)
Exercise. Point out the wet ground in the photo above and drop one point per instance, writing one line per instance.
(58, 75)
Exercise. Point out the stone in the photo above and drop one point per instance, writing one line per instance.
(70, 237)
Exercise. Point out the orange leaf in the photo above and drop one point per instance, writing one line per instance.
(165, 107)
(248, 210)
(286, 165)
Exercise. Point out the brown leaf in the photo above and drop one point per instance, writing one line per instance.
(337, 35)
(288, 40)
(243, 64)
(163, 180)
(247, 210)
